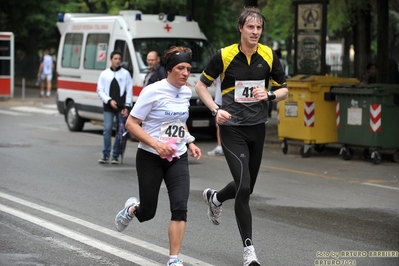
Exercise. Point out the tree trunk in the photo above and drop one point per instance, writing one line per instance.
(383, 41)
(346, 62)
(362, 38)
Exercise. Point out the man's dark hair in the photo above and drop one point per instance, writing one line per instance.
(114, 53)
(250, 11)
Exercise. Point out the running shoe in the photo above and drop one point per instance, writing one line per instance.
(213, 210)
(123, 218)
(250, 258)
(216, 152)
(103, 160)
(175, 263)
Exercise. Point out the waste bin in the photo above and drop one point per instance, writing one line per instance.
(308, 114)
(368, 116)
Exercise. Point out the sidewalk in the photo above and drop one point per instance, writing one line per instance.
(31, 97)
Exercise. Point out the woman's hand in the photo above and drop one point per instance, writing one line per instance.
(194, 150)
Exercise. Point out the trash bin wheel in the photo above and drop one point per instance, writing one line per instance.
(376, 157)
(347, 153)
(284, 146)
(306, 154)
(395, 156)
(366, 153)
(319, 147)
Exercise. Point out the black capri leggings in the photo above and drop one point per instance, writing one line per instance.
(243, 149)
(151, 170)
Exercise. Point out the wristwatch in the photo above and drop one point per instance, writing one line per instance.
(215, 111)
(271, 96)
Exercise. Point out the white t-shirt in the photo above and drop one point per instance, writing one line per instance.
(47, 65)
(163, 110)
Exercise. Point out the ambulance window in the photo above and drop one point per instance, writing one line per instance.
(72, 50)
(96, 51)
(122, 47)
(201, 49)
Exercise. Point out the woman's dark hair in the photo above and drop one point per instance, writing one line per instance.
(176, 49)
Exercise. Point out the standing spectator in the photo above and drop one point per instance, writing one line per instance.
(371, 74)
(156, 71)
(158, 118)
(245, 69)
(115, 91)
(45, 73)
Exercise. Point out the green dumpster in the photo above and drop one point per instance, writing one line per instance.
(368, 116)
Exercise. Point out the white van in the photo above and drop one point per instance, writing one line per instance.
(85, 46)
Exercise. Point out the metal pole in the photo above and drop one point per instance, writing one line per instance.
(23, 89)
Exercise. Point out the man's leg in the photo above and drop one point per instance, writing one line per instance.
(107, 134)
(49, 78)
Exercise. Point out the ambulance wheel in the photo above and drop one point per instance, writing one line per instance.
(72, 118)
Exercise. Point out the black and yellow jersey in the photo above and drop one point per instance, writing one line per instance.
(233, 66)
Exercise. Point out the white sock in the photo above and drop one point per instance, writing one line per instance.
(249, 248)
(215, 200)
(172, 258)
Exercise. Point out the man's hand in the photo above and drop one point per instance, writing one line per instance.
(113, 104)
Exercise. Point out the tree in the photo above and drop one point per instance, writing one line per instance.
(382, 43)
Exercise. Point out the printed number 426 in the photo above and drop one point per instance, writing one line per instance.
(175, 131)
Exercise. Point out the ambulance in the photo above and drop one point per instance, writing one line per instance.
(87, 41)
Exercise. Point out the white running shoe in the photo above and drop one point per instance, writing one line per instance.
(213, 210)
(250, 258)
(175, 263)
(123, 218)
(216, 152)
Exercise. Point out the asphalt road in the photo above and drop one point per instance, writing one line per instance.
(57, 204)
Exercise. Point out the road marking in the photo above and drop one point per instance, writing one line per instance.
(5, 112)
(106, 231)
(30, 109)
(381, 186)
(126, 255)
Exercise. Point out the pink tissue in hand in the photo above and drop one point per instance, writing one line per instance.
(171, 144)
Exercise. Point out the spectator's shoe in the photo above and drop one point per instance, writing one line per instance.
(123, 217)
(213, 210)
(250, 258)
(175, 263)
(216, 152)
(48, 94)
(103, 160)
(114, 160)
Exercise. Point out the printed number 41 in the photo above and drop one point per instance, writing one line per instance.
(247, 92)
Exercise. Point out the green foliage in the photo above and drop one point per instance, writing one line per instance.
(280, 18)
